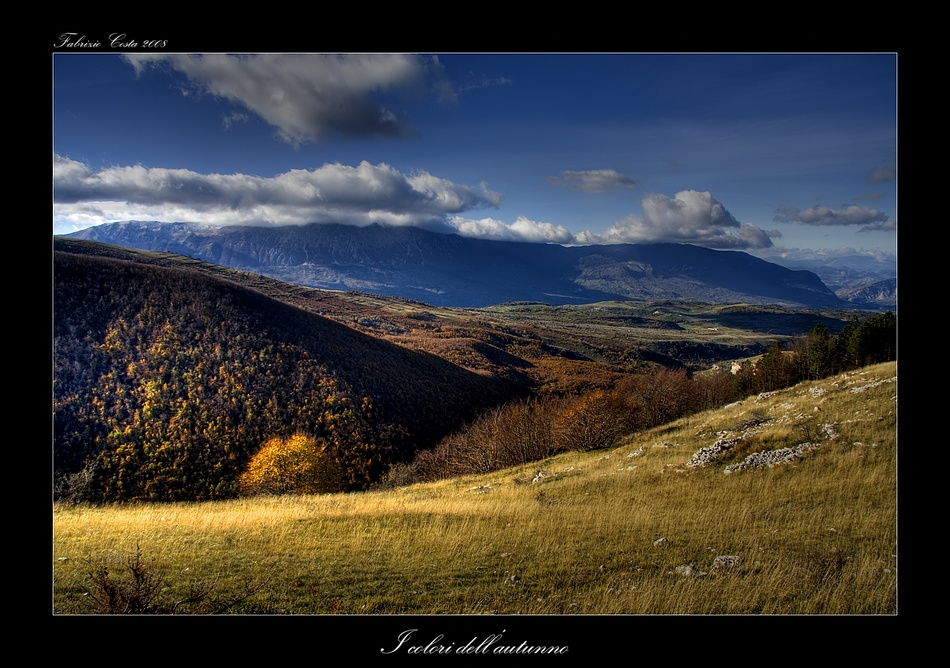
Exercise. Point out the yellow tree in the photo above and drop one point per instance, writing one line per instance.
(294, 465)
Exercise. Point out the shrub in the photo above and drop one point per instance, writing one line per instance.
(658, 397)
(295, 465)
(398, 475)
(509, 435)
(78, 487)
(140, 588)
(134, 594)
(596, 421)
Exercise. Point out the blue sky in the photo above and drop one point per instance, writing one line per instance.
(780, 155)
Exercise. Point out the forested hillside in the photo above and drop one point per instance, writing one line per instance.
(171, 374)
(167, 381)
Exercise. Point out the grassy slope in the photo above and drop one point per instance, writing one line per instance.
(814, 536)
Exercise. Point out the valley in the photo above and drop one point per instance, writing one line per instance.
(696, 335)
(171, 372)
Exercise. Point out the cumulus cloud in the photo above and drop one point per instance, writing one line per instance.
(304, 96)
(358, 195)
(688, 217)
(593, 180)
(522, 229)
(825, 216)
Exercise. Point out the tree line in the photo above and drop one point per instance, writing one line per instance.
(820, 354)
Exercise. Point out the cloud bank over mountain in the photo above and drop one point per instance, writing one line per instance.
(522, 229)
(337, 193)
(367, 194)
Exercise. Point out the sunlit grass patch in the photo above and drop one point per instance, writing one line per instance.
(625, 530)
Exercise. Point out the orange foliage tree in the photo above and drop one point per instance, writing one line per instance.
(596, 421)
(294, 465)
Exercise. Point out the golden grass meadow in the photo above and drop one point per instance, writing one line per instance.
(629, 530)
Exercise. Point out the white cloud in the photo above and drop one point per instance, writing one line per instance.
(522, 229)
(689, 217)
(304, 96)
(357, 195)
(593, 181)
(361, 195)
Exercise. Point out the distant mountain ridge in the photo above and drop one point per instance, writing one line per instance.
(862, 280)
(450, 270)
(883, 293)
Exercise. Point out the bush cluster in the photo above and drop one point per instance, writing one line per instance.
(532, 430)
(505, 436)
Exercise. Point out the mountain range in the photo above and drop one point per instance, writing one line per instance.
(861, 280)
(450, 270)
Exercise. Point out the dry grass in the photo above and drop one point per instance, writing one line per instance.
(815, 536)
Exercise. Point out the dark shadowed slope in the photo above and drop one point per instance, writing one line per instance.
(167, 380)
